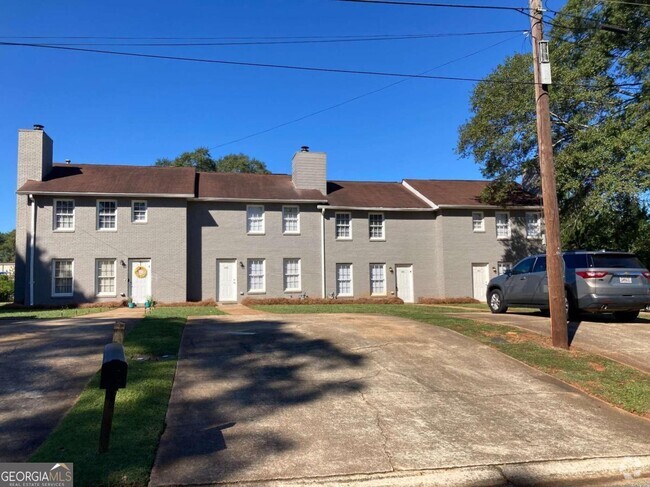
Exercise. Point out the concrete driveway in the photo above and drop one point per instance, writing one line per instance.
(44, 366)
(628, 343)
(353, 397)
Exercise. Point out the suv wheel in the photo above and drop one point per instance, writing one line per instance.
(570, 306)
(495, 301)
(626, 315)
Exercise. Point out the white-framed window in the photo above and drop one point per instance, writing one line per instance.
(478, 221)
(376, 226)
(107, 215)
(105, 277)
(255, 219)
(344, 280)
(62, 277)
(292, 275)
(533, 225)
(502, 267)
(291, 220)
(139, 211)
(256, 275)
(343, 223)
(502, 219)
(377, 279)
(64, 215)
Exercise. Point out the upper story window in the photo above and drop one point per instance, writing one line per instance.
(255, 219)
(256, 276)
(503, 267)
(292, 275)
(62, 277)
(376, 226)
(139, 212)
(533, 225)
(64, 215)
(343, 226)
(290, 220)
(478, 221)
(503, 224)
(106, 215)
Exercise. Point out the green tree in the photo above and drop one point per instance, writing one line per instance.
(201, 160)
(8, 246)
(600, 113)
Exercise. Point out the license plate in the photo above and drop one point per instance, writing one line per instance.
(625, 280)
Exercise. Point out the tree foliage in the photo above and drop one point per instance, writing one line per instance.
(8, 246)
(600, 113)
(201, 160)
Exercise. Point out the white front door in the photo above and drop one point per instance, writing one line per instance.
(480, 278)
(139, 280)
(226, 280)
(405, 282)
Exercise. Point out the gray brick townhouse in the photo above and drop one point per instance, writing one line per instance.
(90, 232)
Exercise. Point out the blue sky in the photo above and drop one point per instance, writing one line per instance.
(111, 109)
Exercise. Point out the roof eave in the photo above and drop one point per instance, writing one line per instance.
(369, 208)
(259, 200)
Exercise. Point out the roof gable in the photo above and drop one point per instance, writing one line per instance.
(358, 194)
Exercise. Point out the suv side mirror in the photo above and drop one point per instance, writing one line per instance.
(508, 272)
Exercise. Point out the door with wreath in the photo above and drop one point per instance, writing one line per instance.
(139, 280)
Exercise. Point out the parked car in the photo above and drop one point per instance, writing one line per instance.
(594, 282)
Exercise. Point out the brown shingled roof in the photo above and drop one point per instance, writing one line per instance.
(104, 179)
(371, 195)
(462, 193)
(242, 186)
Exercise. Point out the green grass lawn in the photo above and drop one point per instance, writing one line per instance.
(139, 409)
(618, 384)
(9, 312)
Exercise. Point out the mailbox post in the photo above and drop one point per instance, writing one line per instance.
(113, 377)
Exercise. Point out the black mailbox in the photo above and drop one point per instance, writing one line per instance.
(114, 367)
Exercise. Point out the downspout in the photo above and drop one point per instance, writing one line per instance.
(322, 251)
(32, 240)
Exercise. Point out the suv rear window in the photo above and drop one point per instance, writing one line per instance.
(623, 261)
(575, 261)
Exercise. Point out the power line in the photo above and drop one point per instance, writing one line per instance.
(255, 41)
(355, 98)
(288, 66)
(442, 5)
(259, 65)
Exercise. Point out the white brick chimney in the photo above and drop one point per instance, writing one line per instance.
(309, 170)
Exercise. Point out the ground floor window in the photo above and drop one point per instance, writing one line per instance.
(256, 277)
(62, 277)
(292, 275)
(377, 279)
(344, 280)
(105, 273)
(502, 267)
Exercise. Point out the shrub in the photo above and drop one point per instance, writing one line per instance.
(185, 304)
(267, 301)
(6, 289)
(464, 300)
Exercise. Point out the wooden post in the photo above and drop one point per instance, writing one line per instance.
(118, 332)
(554, 264)
(107, 420)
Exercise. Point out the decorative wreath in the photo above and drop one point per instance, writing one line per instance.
(140, 272)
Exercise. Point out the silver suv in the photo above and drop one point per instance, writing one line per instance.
(595, 282)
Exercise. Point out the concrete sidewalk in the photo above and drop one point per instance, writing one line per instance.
(628, 343)
(376, 400)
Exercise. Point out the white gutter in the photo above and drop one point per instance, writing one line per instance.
(490, 207)
(322, 251)
(96, 193)
(32, 242)
(419, 195)
(370, 208)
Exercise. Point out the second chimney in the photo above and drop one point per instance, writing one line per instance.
(309, 170)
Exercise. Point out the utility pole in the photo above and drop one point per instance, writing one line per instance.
(554, 264)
